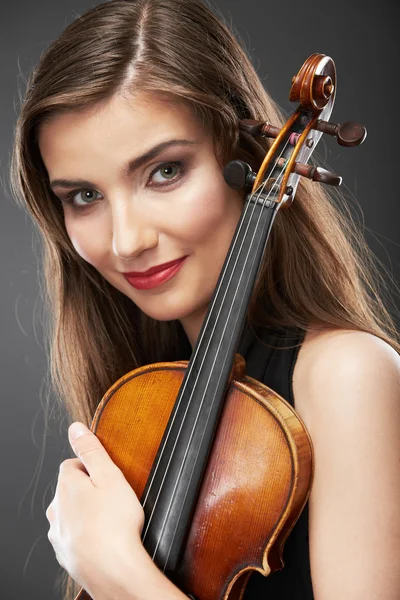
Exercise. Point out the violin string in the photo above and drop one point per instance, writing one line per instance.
(259, 191)
(204, 395)
(253, 256)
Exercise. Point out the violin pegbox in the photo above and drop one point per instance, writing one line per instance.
(314, 87)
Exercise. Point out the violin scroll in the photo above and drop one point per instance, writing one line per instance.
(314, 87)
(315, 84)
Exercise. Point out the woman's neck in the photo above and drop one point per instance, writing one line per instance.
(192, 325)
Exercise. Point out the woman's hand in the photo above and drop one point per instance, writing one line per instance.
(95, 516)
(95, 524)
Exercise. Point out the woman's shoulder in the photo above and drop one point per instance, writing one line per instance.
(335, 363)
(322, 345)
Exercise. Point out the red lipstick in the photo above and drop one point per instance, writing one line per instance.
(146, 280)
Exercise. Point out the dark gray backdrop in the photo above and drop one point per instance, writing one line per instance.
(362, 39)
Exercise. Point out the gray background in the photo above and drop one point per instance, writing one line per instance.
(362, 39)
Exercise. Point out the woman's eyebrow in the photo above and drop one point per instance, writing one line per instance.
(132, 165)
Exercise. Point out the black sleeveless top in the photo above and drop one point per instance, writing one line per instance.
(268, 361)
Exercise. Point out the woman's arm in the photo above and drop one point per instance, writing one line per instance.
(136, 578)
(347, 391)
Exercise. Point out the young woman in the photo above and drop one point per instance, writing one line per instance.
(126, 125)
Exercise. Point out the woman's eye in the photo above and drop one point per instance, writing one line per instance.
(82, 198)
(165, 173)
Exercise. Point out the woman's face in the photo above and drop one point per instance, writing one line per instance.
(141, 187)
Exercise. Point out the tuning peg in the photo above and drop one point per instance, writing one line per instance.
(349, 134)
(239, 175)
(262, 128)
(314, 173)
(317, 174)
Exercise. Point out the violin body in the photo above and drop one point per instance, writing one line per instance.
(255, 484)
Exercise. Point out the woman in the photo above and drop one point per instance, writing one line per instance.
(128, 119)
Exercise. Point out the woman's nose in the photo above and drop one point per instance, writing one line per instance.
(132, 234)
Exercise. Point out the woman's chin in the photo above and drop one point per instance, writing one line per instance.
(164, 313)
(185, 314)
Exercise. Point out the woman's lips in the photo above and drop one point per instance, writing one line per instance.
(155, 276)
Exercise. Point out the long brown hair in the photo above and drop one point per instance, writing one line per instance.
(318, 269)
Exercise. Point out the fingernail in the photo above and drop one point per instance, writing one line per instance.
(76, 430)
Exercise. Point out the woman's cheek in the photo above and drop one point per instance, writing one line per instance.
(202, 208)
(88, 239)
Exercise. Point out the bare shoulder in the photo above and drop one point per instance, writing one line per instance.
(333, 364)
(354, 346)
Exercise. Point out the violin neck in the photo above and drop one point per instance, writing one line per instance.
(172, 488)
(223, 324)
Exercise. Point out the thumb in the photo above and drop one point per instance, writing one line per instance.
(90, 451)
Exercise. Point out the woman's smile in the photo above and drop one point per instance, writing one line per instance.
(155, 276)
(144, 196)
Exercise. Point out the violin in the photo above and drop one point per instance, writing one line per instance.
(222, 464)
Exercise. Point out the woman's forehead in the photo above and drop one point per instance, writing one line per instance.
(101, 141)
(143, 112)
